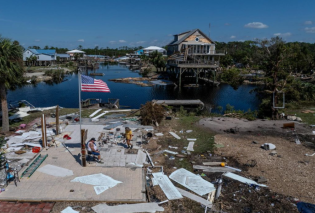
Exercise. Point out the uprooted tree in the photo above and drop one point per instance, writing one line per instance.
(151, 113)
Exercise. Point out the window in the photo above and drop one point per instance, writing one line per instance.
(197, 39)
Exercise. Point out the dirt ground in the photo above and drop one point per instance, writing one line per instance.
(290, 172)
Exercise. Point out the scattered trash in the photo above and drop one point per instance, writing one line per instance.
(173, 147)
(310, 155)
(129, 208)
(170, 152)
(158, 134)
(268, 146)
(172, 158)
(218, 192)
(195, 198)
(191, 139)
(273, 153)
(191, 181)
(174, 135)
(191, 146)
(241, 179)
(188, 131)
(288, 125)
(261, 179)
(149, 158)
(55, 171)
(69, 210)
(167, 186)
(255, 142)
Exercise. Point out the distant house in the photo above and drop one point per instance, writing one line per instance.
(44, 57)
(151, 49)
(194, 41)
(63, 56)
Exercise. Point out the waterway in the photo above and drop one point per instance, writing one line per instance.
(65, 94)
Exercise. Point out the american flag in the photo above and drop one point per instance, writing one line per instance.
(89, 84)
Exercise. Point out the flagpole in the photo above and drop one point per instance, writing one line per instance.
(79, 81)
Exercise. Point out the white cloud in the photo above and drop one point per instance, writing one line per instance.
(37, 40)
(81, 40)
(140, 42)
(257, 25)
(233, 36)
(310, 29)
(282, 34)
(122, 41)
(112, 42)
(308, 22)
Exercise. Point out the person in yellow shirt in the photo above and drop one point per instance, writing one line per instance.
(128, 135)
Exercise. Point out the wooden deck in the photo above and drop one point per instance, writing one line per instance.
(196, 103)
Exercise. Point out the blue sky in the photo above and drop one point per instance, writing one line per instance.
(68, 23)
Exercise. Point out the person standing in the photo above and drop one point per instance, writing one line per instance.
(128, 135)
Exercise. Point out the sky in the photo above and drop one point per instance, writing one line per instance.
(104, 23)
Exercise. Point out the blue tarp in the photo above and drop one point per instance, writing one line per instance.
(305, 207)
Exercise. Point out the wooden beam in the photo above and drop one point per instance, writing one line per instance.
(83, 148)
(43, 123)
(57, 120)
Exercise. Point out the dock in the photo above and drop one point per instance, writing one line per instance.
(187, 103)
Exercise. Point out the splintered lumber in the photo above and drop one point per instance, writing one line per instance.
(212, 163)
(195, 198)
(212, 169)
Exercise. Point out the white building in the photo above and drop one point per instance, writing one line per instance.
(151, 49)
(44, 57)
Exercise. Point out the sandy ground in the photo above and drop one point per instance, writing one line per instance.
(219, 124)
(290, 172)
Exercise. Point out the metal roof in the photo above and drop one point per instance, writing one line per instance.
(187, 35)
(45, 52)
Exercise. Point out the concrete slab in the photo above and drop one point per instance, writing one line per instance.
(44, 187)
(55, 171)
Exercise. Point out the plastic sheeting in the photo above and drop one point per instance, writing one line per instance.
(191, 181)
(101, 181)
(191, 146)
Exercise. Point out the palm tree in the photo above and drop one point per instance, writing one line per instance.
(11, 73)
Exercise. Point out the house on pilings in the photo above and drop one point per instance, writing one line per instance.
(193, 54)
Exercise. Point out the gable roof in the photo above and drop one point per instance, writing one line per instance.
(45, 52)
(187, 35)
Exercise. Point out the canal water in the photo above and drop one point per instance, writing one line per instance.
(65, 94)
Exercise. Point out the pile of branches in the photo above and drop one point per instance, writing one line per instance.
(151, 113)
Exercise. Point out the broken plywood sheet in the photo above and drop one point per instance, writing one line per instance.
(174, 135)
(242, 179)
(167, 186)
(191, 181)
(191, 146)
(55, 171)
(195, 198)
(128, 208)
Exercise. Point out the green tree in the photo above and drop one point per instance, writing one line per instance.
(11, 74)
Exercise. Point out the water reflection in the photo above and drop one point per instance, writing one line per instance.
(65, 94)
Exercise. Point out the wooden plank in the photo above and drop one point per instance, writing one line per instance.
(195, 198)
(212, 169)
(212, 163)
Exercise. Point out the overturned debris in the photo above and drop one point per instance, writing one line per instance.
(166, 185)
(241, 179)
